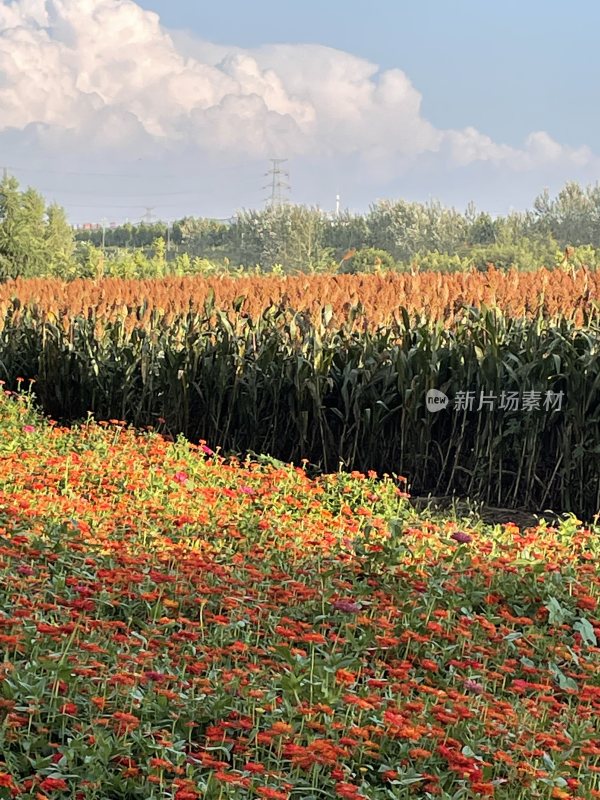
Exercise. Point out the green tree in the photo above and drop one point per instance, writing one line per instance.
(367, 259)
(59, 240)
(483, 230)
(34, 240)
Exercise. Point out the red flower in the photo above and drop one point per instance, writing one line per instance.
(271, 794)
(53, 785)
(7, 780)
(347, 790)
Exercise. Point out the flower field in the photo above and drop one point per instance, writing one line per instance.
(174, 625)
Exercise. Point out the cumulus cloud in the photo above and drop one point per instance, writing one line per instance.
(104, 76)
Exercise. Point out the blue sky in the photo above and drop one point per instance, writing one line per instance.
(505, 67)
(109, 108)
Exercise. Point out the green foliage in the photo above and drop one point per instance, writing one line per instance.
(438, 262)
(367, 259)
(483, 230)
(525, 254)
(59, 240)
(34, 240)
(573, 217)
(576, 257)
(292, 236)
(394, 234)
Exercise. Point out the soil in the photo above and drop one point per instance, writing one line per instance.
(524, 518)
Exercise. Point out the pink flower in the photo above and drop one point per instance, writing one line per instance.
(247, 490)
(29, 428)
(473, 686)
(461, 537)
(151, 675)
(347, 606)
(181, 477)
(207, 450)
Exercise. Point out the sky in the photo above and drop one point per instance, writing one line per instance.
(166, 108)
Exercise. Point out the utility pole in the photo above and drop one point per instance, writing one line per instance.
(337, 204)
(278, 184)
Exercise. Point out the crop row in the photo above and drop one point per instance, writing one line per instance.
(363, 300)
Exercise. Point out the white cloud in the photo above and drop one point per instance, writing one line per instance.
(103, 76)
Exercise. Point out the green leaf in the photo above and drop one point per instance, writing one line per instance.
(549, 762)
(565, 683)
(512, 637)
(557, 615)
(586, 629)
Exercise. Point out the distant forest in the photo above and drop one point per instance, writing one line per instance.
(392, 235)
(402, 232)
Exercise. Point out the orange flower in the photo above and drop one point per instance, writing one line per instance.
(124, 722)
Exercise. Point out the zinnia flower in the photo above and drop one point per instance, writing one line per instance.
(53, 785)
(461, 537)
(347, 606)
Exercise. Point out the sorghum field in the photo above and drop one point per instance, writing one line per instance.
(335, 370)
(362, 300)
(176, 625)
(377, 298)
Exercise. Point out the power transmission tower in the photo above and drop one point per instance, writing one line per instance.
(278, 184)
(149, 217)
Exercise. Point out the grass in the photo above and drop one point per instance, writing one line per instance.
(173, 625)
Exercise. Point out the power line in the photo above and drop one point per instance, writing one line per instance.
(278, 186)
(87, 174)
(113, 205)
(82, 173)
(105, 194)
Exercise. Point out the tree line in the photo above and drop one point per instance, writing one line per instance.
(36, 239)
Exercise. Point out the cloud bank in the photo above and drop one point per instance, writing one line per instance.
(104, 79)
